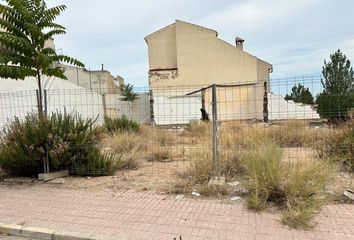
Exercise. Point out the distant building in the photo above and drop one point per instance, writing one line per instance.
(100, 81)
(184, 57)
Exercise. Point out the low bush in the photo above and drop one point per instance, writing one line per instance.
(120, 124)
(295, 187)
(65, 141)
(338, 146)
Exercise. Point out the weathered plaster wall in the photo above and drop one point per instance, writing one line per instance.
(204, 59)
(162, 48)
(99, 81)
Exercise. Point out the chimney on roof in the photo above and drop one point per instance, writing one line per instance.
(239, 43)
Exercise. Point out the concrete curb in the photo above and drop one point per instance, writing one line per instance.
(47, 234)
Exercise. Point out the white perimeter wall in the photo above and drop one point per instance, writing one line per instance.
(170, 108)
(18, 98)
(138, 110)
(281, 109)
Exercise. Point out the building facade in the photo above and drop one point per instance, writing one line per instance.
(184, 57)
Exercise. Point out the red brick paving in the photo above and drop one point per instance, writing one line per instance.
(148, 215)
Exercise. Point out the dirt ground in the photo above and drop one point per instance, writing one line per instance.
(160, 176)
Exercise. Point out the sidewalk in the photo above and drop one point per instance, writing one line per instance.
(147, 215)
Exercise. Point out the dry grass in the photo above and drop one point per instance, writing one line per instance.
(156, 136)
(200, 130)
(337, 145)
(185, 186)
(246, 152)
(159, 142)
(287, 134)
(214, 190)
(131, 147)
(295, 187)
(126, 147)
(200, 170)
(293, 133)
(159, 154)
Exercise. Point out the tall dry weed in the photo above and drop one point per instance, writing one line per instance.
(126, 146)
(295, 187)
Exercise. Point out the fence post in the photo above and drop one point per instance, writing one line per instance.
(77, 76)
(216, 163)
(46, 102)
(265, 104)
(152, 115)
(104, 105)
(90, 78)
(38, 101)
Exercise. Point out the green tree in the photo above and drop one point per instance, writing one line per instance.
(28, 25)
(128, 94)
(337, 97)
(300, 94)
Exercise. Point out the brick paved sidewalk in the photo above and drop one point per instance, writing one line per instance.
(147, 215)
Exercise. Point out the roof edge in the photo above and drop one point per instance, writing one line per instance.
(157, 31)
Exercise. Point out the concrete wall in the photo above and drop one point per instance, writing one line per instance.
(18, 98)
(172, 107)
(237, 103)
(99, 81)
(281, 109)
(139, 110)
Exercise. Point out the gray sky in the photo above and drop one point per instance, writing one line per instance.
(295, 36)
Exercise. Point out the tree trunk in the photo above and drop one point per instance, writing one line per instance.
(40, 97)
(40, 115)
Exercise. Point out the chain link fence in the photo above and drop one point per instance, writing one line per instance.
(182, 125)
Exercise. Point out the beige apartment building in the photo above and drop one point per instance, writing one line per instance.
(184, 58)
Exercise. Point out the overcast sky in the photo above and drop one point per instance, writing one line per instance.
(295, 36)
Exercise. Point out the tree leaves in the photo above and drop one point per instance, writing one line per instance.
(338, 87)
(300, 94)
(25, 54)
(16, 72)
(67, 59)
(128, 94)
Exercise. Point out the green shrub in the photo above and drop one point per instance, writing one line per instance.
(347, 146)
(295, 187)
(338, 146)
(66, 141)
(120, 124)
